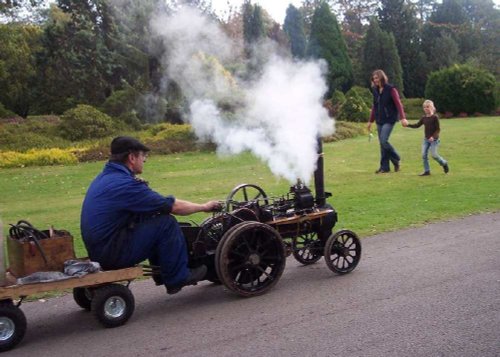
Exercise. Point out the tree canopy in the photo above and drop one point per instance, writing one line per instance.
(326, 42)
(104, 53)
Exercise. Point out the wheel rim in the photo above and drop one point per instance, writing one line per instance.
(245, 193)
(7, 328)
(307, 248)
(254, 260)
(114, 307)
(343, 252)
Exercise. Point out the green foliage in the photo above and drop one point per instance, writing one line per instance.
(345, 130)
(334, 103)
(380, 52)
(362, 92)
(5, 113)
(338, 97)
(79, 64)
(121, 104)
(85, 122)
(449, 19)
(19, 46)
(326, 42)
(399, 19)
(413, 107)
(167, 131)
(354, 109)
(445, 52)
(131, 120)
(253, 24)
(44, 157)
(294, 28)
(31, 133)
(462, 88)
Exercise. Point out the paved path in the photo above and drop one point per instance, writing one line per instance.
(430, 291)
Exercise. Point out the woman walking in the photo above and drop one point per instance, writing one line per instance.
(386, 110)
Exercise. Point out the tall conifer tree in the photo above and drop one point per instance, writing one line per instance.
(326, 42)
(294, 28)
(400, 19)
(380, 52)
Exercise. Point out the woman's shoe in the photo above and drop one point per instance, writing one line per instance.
(380, 171)
(425, 173)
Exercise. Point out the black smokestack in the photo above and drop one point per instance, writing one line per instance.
(319, 181)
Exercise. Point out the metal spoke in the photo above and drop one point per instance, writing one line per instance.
(245, 194)
(265, 272)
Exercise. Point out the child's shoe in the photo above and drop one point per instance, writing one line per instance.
(425, 173)
(446, 168)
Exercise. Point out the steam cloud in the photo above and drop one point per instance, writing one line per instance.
(276, 116)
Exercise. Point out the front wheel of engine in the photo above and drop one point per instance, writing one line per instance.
(342, 252)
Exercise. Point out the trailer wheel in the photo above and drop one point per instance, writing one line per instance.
(12, 325)
(113, 305)
(342, 251)
(250, 258)
(307, 248)
(83, 298)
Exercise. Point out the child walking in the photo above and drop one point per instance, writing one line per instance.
(431, 139)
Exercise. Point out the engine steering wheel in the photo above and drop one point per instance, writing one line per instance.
(244, 193)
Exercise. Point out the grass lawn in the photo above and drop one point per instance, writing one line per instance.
(366, 203)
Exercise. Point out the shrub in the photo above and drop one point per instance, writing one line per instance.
(334, 103)
(354, 109)
(5, 113)
(363, 93)
(172, 132)
(338, 98)
(85, 122)
(330, 108)
(34, 132)
(462, 88)
(42, 157)
(120, 102)
(131, 120)
(346, 130)
(413, 107)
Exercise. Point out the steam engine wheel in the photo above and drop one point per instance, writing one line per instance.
(342, 252)
(307, 248)
(250, 258)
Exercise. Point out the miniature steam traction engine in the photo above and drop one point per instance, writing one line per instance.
(245, 246)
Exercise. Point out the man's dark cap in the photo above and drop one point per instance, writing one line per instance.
(126, 144)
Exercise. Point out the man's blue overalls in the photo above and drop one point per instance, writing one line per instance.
(124, 222)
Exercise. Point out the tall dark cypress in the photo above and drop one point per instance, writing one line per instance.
(326, 42)
(294, 28)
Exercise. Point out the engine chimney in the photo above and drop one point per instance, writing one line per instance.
(319, 181)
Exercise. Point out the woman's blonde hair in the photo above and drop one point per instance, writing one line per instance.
(431, 104)
(381, 75)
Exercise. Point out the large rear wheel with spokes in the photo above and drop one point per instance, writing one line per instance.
(250, 258)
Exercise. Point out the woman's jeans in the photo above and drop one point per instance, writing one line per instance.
(387, 151)
(433, 146)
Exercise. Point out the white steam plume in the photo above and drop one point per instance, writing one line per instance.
(277, 116)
